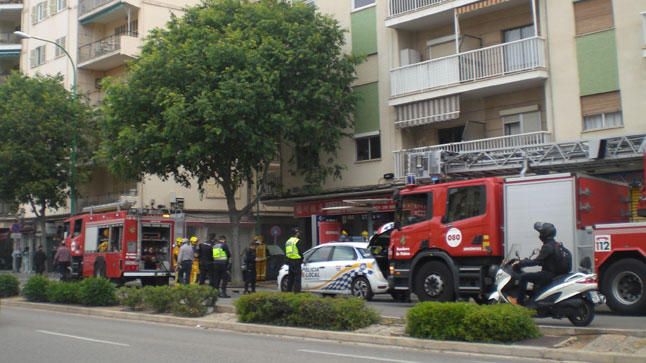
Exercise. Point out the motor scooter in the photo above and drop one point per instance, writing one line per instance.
(572, 295)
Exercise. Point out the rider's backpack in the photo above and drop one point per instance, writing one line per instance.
(564, 257)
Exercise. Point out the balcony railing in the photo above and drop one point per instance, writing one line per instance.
(398, 7)
(9, 38)
(416, 161)
(498, 60)
(4, 2)
(102, 47)
(97, 200)
(86, 6)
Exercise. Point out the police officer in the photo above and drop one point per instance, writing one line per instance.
(547, 259)
(294, 261)
(221, 257)
(205, 256)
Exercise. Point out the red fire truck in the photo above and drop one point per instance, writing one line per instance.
(448, 236)
(122, 245)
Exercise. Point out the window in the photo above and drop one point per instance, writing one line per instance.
(37, 56)
(592, 16)
(57, 51)
(358, 4)
(91, 238)
(465, 202)
(601, 111)
(78, 227)
(368, 148)
(519, 55)
(116, 233)
(603, 121)
(343, 254)
(449, 135)
(123, 29)
(522, 123)
(319, 255)
(60, 5)
(39, 12)
(416, 208)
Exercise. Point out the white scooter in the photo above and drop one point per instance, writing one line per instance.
(572, 295)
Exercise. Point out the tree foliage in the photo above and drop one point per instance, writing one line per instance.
(216, 93)
(38, 121)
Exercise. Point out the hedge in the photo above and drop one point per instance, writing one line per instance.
(131, 297)
(470, 322)
(193, 300)
(305, 310)
(97, 291)
(36, 288)
(9, 285)
(158, 298)
(63, 292)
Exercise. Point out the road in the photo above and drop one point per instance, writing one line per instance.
(42, 336)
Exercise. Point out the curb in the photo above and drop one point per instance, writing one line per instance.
(425, 344)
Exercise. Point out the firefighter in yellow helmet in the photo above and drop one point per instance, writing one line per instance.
(195, 269)
(176, 246)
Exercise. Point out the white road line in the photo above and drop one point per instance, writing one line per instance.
(82, 338)
(356, 356)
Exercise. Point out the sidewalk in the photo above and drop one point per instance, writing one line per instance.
(585, 348)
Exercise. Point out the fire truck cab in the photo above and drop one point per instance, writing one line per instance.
(121, 245)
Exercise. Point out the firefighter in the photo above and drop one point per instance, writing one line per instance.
(176, 246)
(294, 261)
(195, 269)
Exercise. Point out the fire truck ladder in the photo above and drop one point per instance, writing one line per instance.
(560, 156)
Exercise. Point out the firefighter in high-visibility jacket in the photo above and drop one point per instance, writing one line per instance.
(294, 261)
(221, 258)
(178, 244)
(195, 268)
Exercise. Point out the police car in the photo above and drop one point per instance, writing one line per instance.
(346, 268)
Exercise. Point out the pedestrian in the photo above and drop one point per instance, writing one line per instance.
(17, 259)
(221, 259)
(205, 257)
(25, 260)
(39, 260)
(62, 260)
(249, 268)
(294, 261)
(185, 261)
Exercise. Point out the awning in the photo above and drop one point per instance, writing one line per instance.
(428, 111)
(477, 6)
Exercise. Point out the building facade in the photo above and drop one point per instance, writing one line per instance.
(466, 88)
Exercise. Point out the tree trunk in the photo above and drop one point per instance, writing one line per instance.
(43, 226)
(234, 218)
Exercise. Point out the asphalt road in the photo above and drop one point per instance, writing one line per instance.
(42, 336)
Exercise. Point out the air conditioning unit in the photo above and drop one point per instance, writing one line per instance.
(408, 56)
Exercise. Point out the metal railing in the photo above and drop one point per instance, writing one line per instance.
(398, 7)
(9, 38)
(416, 160)
(102, 47)
(105, 198)
(86, 6)
(498, 60)
(4, 2)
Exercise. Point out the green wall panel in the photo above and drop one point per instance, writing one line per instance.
(597, 61)
(366, 116)
(363, 29)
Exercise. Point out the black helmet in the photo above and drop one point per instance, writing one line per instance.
(545, 230)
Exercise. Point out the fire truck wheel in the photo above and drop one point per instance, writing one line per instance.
(99, 267)
(433, 282)
(624, 286)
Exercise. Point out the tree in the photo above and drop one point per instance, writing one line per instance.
(38, 121)
(215, 94)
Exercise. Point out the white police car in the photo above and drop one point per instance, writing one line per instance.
(339, 268)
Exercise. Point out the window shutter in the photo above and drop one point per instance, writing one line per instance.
(34, 14)
(592, 15)
(600, 103)
(52, 7)
(43, 57)
(32, 58)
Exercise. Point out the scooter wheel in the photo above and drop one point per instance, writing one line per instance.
(584, 314)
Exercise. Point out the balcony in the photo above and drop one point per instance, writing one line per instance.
(480, 68)
(413, 14)
(9, 45)
(98, 200)
(420, 161)
(104, 11)
(110, 52)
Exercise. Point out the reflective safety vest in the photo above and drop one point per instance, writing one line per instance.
(291, 248)
(218, 253)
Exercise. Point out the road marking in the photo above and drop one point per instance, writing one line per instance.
(356, 356)
(82, 338)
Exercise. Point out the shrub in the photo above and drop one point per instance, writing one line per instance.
(305, 310)
(193, 300)
(36, 289)
(97, 291)
(9, 285)
(470, 322)
(63, 292)
(131, 297)
(500, 323)
(158, 298)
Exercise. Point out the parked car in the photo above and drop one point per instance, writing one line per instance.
(346, 268)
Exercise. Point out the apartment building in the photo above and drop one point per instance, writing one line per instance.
(101, 36)
(467, 88)
(10, 47)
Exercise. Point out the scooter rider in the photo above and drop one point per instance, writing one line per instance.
(547, 259)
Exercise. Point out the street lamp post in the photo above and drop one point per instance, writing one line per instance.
(75, 134)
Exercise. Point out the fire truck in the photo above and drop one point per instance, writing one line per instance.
(122, 245)
(450, 236)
